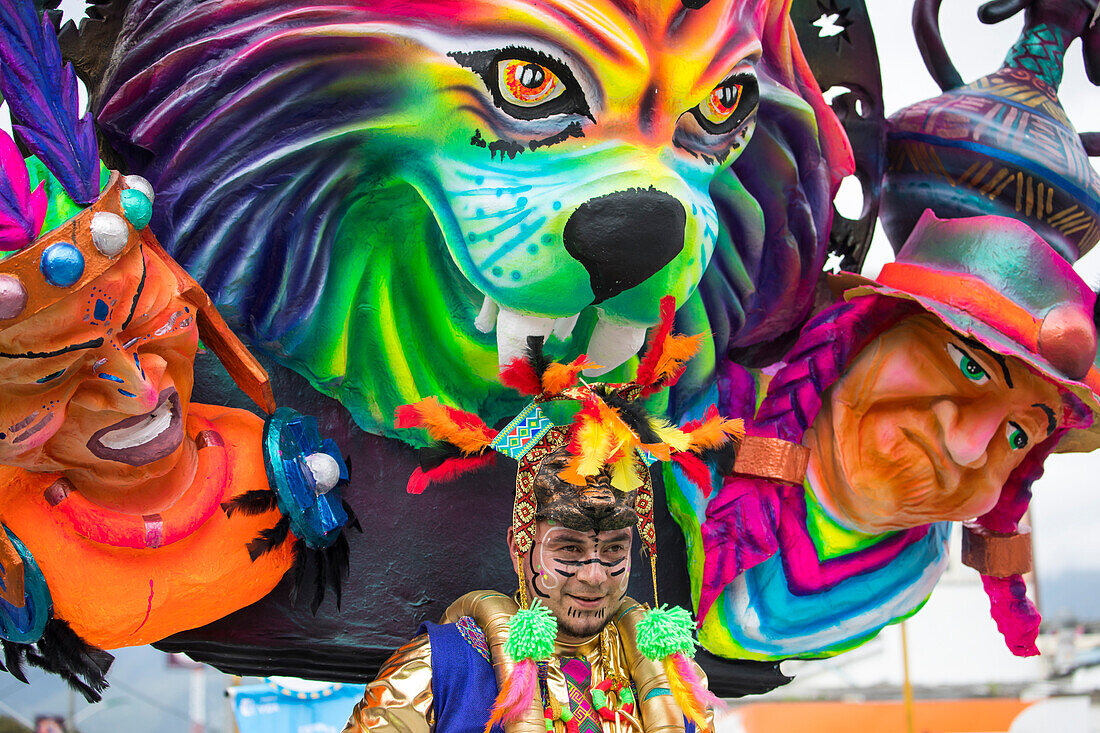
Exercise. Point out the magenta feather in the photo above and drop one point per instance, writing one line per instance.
(689, 691)
(516, 694)
(41, 91)
(22, 211)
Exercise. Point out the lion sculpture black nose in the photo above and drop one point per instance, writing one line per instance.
(624, 238)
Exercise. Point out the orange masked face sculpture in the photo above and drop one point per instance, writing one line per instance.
(103, 398)
(926, 425)
(109, 476)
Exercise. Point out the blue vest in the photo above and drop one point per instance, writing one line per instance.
(464, 686)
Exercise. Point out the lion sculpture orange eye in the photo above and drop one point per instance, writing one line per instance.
(722, 102)
(527, 84)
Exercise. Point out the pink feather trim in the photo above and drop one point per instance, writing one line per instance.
(516, 694)
(690, 693)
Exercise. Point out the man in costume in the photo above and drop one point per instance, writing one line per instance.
(570, 652)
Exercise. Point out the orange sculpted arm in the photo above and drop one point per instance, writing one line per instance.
(400, 698)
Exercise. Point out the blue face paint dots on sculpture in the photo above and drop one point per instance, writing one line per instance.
(62, 264)
(137, 207)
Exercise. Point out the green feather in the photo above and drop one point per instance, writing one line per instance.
(531, 634)
(665, 631)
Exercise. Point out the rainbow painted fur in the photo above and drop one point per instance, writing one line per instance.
(343, 182)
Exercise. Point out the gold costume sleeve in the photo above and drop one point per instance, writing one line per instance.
(399, 700)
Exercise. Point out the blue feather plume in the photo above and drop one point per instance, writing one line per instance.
(41, 91)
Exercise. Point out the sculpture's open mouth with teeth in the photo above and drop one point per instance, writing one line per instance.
(610, 345)
(143, 439)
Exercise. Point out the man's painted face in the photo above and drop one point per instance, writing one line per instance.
(926, 425)
(580, 576)
(99, 382)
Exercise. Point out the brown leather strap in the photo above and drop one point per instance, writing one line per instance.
(996, 555)
(11, 565)
(773, 459)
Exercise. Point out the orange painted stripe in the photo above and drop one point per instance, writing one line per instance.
(969, 294)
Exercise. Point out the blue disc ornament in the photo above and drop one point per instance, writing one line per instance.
(137, 207)
(62, 264)
(26, 624)
(316, 512)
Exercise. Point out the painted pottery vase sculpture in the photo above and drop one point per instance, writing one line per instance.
(933, 395)
(1002, 144)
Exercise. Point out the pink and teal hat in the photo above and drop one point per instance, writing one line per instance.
(995, 280)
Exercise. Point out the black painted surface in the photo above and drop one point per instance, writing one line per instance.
(849, 59)
(624, 238)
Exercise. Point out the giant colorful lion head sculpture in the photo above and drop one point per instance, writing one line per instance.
(370, 189)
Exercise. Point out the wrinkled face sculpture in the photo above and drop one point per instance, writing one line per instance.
(579, 564)
(97, 385)
(926, 425)
(396, 166)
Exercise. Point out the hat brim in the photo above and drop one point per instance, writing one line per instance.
(1075, 441)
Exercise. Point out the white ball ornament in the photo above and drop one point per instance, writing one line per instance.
(109, 233)
(325, 471)
(140, 184)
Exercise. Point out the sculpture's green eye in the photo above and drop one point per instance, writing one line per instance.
(1017, 438)
(968, 365)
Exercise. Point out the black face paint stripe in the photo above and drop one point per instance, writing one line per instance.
(140, 287)
(564, 574)
(93, 344)
(575, 563)
(618, 572)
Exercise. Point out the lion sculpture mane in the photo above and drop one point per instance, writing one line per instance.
(357, 183)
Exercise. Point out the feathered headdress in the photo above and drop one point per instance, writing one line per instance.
(611, 431)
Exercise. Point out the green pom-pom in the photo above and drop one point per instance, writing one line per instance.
(598, 698)
(626, 696)
(531, 634)
(549, 724)
(665, 631)
(566, 715)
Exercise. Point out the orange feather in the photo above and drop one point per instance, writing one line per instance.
(559, 377)
(465, 430)
(714, 431)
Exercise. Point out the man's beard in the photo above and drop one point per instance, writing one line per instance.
(584, 624)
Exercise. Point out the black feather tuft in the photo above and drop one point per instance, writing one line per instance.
(536, 356)
(299, 577)
(62, 652)
(13, 659)
(338, 561)
(269, 539)
(251, 503)
(353, 520)
(722, 458)
(632, 413)
(321, 561)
